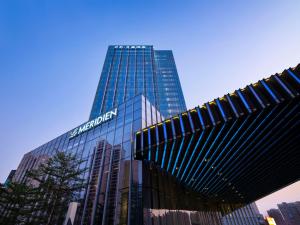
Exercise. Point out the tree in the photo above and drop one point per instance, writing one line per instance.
(16, 203)
(59, 183)
(44, 196)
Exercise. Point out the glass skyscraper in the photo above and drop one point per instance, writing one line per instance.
(130, 70)
(135, 159)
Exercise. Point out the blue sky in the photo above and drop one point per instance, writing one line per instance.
(52, 52)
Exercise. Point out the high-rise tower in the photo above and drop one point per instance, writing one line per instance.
(198, 167)
(130, 70)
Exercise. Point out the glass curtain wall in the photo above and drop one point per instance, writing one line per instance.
(130, 70)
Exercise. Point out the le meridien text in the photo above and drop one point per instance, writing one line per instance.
(93, 123)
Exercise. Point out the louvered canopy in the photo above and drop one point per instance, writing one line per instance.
(237, 148)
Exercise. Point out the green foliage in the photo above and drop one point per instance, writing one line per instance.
(48, 191)
(15, 203)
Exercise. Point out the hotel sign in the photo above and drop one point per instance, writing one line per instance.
(130, 46)
(93, 123)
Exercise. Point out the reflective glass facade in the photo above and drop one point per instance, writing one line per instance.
(130, 70)
(113, 178)
(201, 166)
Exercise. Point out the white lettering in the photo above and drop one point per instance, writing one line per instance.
(81, 129)
(114, 112)
(106, 116)
(98, 120)
(93, 123)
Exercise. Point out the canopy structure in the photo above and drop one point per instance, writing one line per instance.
(234, 149)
